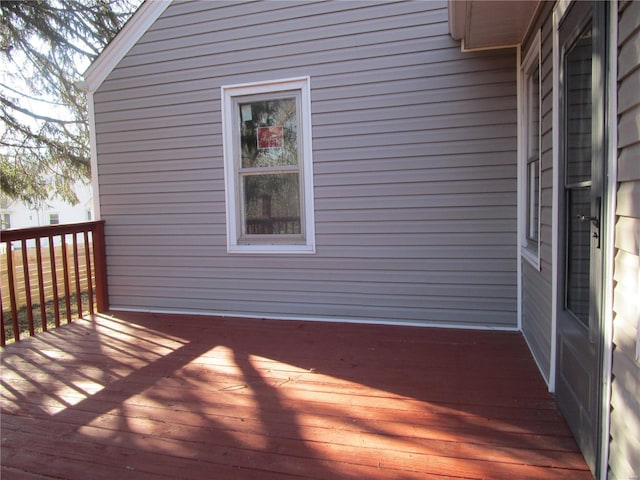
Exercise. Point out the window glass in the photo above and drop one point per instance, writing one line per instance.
(578, 69)
(533, 157)
(534, 113)
(530, 162)
(533, 204)
(269, 133)
(579, 238)
(272, 204)
(5, 221)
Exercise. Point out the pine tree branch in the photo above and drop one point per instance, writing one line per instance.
(31, 97)
(31, 114)
(43, 41)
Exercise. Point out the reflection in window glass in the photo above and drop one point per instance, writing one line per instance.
(272, 204)
(269, 134)
(270, 170)
(533, 203)
(578, 122)
(578, 253)
(533, 142)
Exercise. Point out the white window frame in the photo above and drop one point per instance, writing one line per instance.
(530, 247)
(234, 203)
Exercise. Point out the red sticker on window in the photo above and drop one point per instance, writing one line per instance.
(270, 137)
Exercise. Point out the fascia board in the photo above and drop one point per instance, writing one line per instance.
(115, 51)
(457, 10)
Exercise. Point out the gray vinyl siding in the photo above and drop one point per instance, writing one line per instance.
(414, 149)
(537, 284)
(624, 455)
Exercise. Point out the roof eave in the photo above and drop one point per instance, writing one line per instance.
(488, 24)
(115, 51)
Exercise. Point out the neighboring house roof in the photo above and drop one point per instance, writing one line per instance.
(115, 51)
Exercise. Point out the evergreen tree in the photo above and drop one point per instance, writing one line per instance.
(45, 45)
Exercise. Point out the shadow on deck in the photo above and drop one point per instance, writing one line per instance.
(184, 397)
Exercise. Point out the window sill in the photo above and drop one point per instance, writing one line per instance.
(272, 249)
(531, 256)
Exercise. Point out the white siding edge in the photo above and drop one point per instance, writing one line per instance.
(114, 309)
(558, 12)
(93, 150)
(120, 45)
(609, 235)
(520, 185)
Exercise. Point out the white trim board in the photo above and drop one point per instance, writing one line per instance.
(93, 151)
(368, 321)
(519, 187)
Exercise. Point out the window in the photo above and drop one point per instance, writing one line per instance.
(530, 153)
(5, 221)
(268, 167)
(54, 219)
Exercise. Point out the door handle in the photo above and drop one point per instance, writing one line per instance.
(594, 220)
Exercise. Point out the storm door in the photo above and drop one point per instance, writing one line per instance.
(582, 150)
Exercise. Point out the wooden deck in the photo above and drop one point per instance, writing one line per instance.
(179, 397)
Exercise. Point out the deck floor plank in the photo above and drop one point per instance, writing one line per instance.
(133, 395)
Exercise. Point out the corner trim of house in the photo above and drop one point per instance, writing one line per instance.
(558, 12)
(114, 309)
(520, 186)
(93, 151)
(609, 234)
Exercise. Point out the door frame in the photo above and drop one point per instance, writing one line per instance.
(607, 230)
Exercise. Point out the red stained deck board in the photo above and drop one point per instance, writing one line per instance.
(192, 397)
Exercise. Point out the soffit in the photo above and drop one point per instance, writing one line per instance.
(484, 24)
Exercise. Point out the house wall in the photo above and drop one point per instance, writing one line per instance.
(414, 146)
(537, 283)
(22, 215)
(624, 454)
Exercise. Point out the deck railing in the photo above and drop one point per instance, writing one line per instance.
(273, 225)
(52, 264)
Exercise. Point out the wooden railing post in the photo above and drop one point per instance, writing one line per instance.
(100, 267)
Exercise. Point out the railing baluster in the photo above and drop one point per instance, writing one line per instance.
(12, 293)
(94, 268)
(43, 304)
(3, 337)
(27, 286)
(65, 268)
(87, 256)
(76, 271)
(54, 281)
